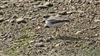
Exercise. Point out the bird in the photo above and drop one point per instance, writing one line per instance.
(54, 21)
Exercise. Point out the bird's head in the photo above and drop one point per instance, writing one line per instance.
(45, 17)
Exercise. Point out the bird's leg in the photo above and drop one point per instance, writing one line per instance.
(57, 32)
(54, 32)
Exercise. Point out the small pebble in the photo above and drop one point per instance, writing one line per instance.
(41, 6)
(19, 20)
(96, 20)
(38, 27)
(31, 41)
(1, 13)
(39, 44)
(48, 4)
(4, 2)
(96, 35)
(1, 19)
(78, 32)
(70, 12)
(40, 40)
(10, 20)
(15, 16)
(1, 34)
(49, 39)
(58, 45)
(62, 13)
(3, 6)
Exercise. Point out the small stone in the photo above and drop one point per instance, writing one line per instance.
(1, 34)
(38, 27)
(1, 19)
(96, 35)
(98, 2)
(1, 13)
(3, 6)
(37, 3)
(39, 51)
(5, 2)
(15, 16)
(10, 20)
(96, 20)
(19, 20)
(49, 39)
(57, 45)
(78, 32)
(62, 13)
(39, 44)
(40, 40)
(48, 4)
(94, 27)
(31, 41)
(53, 50)
(41, 6)
(70, 12)
(27, 17)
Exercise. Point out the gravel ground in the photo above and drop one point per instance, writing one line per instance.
(22, 32)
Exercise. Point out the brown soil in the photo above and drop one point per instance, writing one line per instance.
(22, 32)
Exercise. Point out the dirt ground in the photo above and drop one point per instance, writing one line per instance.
(22, 32)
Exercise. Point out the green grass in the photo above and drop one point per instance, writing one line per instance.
(20, 42)
(94, 52)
